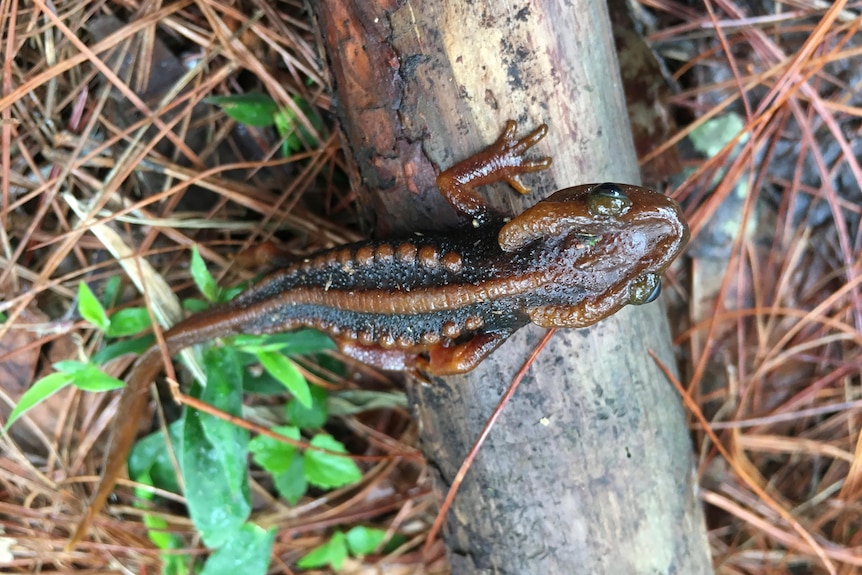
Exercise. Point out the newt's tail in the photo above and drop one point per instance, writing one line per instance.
(133, 402)
(220, 321)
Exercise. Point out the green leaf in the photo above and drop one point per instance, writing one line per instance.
(157, 528)
(88, 377)
(329, 471)
(283, 462)
(364, 540)
(151, 457)
(231, 292)
(115, 349)
(287, 373)
(252, 109)
(291, 483)
(172, 563)
(70, 366)
(332, 553)
(295, 134)
(214, 454)
(195, 305)
(255, 344)
(306, 341)
(284, 124)
(260, 382)
(332, 364)
(299, 342)
(396, 541)
(224, 391)
(203, 279)
(309, 417)
(157, 524)
(129, 321)
(39, 392)
(111, 292)
(91, 378)
(272, 455)
(215, 509)
(247, 552)
(90, 308)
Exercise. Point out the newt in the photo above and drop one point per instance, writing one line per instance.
(441, 303)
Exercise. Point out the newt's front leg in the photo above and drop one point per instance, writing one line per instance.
(501, 161)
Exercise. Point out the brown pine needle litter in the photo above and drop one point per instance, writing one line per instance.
(109, 154)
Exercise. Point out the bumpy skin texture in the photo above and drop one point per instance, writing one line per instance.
(441, 303)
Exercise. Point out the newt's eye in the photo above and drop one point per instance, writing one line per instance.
(644, 289)
(608, 200)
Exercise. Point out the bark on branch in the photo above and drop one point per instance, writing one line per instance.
(589, 470)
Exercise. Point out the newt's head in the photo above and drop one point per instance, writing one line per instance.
(611, 243)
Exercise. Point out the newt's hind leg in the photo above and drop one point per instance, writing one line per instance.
(501, 161)
(441, 359)
(460, 358)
